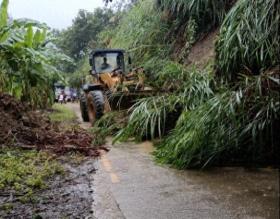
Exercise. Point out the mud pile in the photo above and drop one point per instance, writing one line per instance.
(22, 127)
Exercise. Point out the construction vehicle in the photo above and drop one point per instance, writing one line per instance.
(110, 85)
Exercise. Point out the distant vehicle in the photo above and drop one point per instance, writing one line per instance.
(68, 94)
(58, 89)
(61, 98)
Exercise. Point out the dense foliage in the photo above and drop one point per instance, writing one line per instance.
(206, 115)
(233, 125)
(249, 38)
(82, 34)
(141, 33)
(217, 121)
(27, 60)
(152, 116)
(206, 13)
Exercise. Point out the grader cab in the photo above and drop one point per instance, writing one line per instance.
(110, 85)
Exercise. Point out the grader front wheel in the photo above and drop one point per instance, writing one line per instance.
(96, 105)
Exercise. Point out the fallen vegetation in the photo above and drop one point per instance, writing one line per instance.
(233, 127)
(42, 161)
(21, 127)
(109, 125)
(249, 39)
(225, 114)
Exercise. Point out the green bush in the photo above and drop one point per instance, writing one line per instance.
(235, 124)
(27, 60)
(152, 116)
(249, 39)
(206, 13)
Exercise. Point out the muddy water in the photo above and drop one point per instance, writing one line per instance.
(128, 184)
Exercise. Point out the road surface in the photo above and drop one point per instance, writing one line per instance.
(128, 184)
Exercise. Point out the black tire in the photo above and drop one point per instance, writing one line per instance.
(96, 104)
(83, 108)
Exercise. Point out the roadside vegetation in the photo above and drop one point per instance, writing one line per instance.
(222, 111)
(225, 110)
(31, 141)
(226, 113)
(29, 61)
(23, 174)
(23, 171)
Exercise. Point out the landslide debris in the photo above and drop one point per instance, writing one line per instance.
(22, 127)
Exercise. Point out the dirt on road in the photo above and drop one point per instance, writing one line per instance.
(68, 195)
(22, 127)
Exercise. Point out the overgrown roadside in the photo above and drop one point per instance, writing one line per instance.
(44, 180)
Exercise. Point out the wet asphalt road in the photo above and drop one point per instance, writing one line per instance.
(128, 184)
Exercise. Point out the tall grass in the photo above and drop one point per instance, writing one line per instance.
(217, 122)
(153, 116)
(249, 38)
(141, 32)
(150, 38)
(233, 125)
(206, 13)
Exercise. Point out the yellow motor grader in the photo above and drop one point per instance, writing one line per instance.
(110, 85)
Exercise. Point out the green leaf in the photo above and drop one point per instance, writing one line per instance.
(29, 36)
(4, 13)
(37, 39)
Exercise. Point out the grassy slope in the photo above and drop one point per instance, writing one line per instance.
(252, 130)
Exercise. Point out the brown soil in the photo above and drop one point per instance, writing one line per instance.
(203, 50)
(19, 126)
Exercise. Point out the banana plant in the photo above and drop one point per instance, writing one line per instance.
(28, 59)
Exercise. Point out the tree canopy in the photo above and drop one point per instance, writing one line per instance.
(83, 32)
